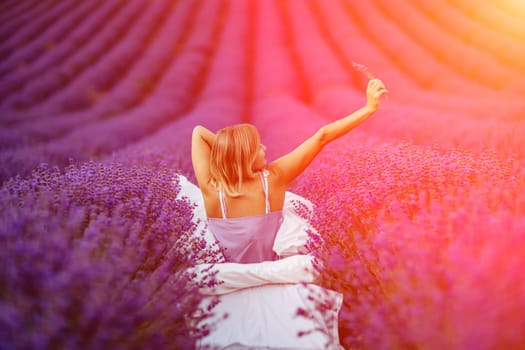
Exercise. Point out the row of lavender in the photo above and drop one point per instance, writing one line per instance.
(95, 257)
(425, 244)
(410, 228)
(416, 238)
(154, 73)
(108, 270)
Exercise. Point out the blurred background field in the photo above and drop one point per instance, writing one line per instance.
(422, 207)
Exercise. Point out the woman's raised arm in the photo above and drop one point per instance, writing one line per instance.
(201, 141)
(294, 163)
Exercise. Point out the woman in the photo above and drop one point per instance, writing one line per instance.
(248, 211)
(243, 195)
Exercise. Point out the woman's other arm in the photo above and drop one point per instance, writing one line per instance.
(294, 163)
(201, 141)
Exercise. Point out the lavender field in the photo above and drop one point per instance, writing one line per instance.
(422, 207)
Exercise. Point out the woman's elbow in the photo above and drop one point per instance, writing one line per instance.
(197, 129)
(322, 137)
(198, 132)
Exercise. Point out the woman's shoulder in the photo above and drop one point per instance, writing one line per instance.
(272, 170)
(275, 175)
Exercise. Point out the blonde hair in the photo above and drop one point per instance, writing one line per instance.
(232, 156)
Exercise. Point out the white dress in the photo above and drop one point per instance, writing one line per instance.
(266, 302)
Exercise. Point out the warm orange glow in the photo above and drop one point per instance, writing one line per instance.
(514, 7)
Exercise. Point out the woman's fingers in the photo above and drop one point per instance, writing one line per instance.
(376, 87)
(382, 91)
(374, 91)
(375, 84)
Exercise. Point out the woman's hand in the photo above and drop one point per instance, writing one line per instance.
(375, 89)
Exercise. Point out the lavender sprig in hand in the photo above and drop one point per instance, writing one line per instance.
(363, 69)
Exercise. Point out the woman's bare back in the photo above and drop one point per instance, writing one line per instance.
(250, 203)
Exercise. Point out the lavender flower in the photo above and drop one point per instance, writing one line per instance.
(362, 69)
(403, 239)
(95, 257)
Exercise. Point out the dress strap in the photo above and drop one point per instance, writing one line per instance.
(264, 181)
(223, 205)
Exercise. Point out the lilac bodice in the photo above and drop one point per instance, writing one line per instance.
(248, 239)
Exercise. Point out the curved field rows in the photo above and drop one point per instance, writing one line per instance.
(422, 206)
(71, 69)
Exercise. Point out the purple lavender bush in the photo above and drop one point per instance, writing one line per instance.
(94, 257)
(424, 242)
(425, 245)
